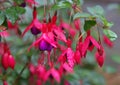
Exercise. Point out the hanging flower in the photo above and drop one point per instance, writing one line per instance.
(107, 41)
(7, 59)
(100, 56)
(52, 74)
(89, 43)
(35, 26)
(45, 43)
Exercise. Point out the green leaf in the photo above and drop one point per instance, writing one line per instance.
(110, 34)
(20, 10)
(81, 15)
(12, 13)
(116, 58)
(105, 22)
(2, 18)
(96, 10)
(61, 4)
(89, 24)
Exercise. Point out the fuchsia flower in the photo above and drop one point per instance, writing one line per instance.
(65, 68)
(4, 60)
(35, 26)
(107, 41)
(89, 43)
(7, 59)
(100, 56)
(67, 56)
(52, 74)
(45, 43)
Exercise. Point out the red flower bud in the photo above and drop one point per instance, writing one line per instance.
(100, 56)
(11, 61)
(4, 61)
(107, 41)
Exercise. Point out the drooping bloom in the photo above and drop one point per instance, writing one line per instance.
(52, 74)
(89, 43)
(100, 56)
(107, 41)
(64, 68)
(7, 59)
(35, 26)
(11, 61)
(67, 56)
(4, 60)
(45, 43)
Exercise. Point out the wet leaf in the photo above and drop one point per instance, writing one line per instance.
(110, 34)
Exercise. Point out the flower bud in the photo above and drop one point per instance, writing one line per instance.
(11, 61)
(4, 61)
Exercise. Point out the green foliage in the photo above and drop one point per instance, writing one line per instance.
(81, 15)
(110, 34)
(89, 24)
(61, 4)
(98, 12)
(13, 13)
